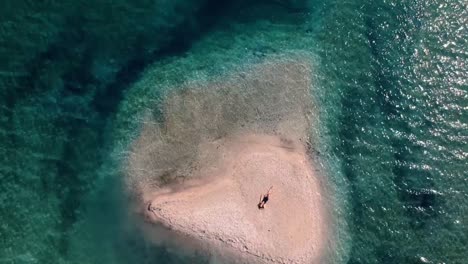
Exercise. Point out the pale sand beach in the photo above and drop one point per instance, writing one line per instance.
(222, 213)
(197, 175)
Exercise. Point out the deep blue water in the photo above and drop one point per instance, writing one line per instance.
(390, 81)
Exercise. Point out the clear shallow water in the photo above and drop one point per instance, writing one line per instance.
(391, 85)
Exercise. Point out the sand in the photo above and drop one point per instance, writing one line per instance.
(218, 146)
(219, 214)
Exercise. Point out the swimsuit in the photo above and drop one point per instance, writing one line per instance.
(263, 202)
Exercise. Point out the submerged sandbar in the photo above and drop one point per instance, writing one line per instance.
(198, 174)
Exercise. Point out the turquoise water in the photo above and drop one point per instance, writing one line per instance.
(77, 80)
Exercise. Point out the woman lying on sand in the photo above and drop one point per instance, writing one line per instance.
(264, 199)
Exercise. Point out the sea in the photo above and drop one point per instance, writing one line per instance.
(78, 78)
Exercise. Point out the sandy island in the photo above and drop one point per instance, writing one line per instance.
(222, 212)
(198, 175)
